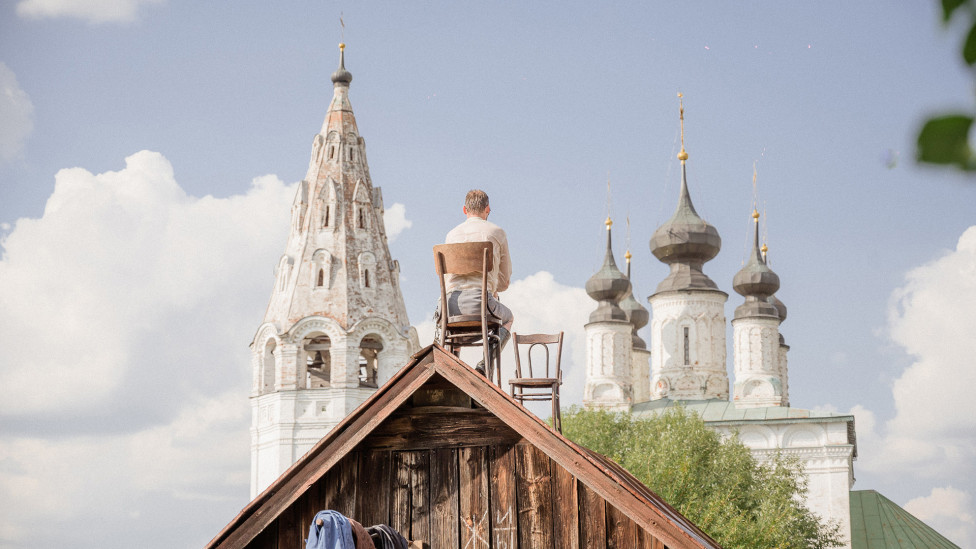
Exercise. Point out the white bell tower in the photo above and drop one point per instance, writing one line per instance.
(336, 327)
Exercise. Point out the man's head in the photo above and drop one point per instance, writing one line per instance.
(476, 204)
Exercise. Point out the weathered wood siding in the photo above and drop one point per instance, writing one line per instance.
(505, 496)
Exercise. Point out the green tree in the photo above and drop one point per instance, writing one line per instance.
(715, 483)
(944, 139)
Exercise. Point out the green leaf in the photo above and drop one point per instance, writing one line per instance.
(949, 6)
(969, 48)
(945, 140)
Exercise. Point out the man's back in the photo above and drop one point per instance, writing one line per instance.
(475, 229)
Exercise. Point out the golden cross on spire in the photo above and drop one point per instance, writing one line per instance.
(342, 29)
(682, 156)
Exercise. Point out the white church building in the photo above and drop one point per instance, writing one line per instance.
(687, 363)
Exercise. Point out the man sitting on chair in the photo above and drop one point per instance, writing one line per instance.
(464, 291)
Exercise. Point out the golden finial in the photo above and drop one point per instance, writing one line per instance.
(627, 256)
(764, 249)
(342, 46)
(755, 215)
(608, 222)
(683, 155)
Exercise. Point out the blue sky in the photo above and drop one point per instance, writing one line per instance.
(129, 289)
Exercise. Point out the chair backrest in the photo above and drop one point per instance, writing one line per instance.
(461, 259)
(552, 368)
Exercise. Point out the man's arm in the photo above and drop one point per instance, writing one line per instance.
(504, 264)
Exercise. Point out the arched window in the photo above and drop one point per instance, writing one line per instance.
(366, 278)
(320, 281)
(325, 216)
(267, 380)
(318, 361)
(369, 351)
(367, 265)
(331, 152)
(687, 348)
(361, 218)
(352, 153)
(321, 269)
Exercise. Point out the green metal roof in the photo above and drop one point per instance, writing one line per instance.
(877, 523)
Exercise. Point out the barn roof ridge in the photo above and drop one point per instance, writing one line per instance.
(623, 491)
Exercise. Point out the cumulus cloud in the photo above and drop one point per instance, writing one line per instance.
(127, 309)
(949, 511)
(16, 115)
(93, 11)
(931, 435)
(395, 220)
(932, 318)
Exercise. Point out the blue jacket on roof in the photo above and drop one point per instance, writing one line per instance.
(335, 532)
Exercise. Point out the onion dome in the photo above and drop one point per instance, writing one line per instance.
(608, 286)
(636, 313)
(756, 282)
(685, 242)
(341, 75)
(773, 300)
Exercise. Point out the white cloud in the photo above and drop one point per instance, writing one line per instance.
(395, 220)
(949, 511)
(125, 309)
(93, 11)
(932, 318)
(16, 115)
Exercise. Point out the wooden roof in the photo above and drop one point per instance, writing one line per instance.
(601, 475)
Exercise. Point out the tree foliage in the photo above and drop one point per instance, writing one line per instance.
(944, 139)
(715, 483)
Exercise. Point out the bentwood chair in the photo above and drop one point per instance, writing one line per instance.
(459, 331)
(526, 385)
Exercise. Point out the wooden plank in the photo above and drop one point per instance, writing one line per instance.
(410, 504)
(444, 498)
(420, 496)
(441, 427)
(565, 503)
(400, 493)
(473, 496)
(340, 485)
(534, 496)
(268, 539)
(288, 534)
(503, 519)
(373, 501)
(621, 531)
(647, 541)
(593, 522)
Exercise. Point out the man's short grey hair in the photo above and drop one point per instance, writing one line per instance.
(476, 201)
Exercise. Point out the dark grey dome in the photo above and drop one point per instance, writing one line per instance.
(637, 315)
(608, 286)
(756, 282)
(685, 242)
(341, 75)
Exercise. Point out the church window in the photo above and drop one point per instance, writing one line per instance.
(369, 351)
(318, 361)
(331, 152)
(325, 217)
(321, 279)
(687, 348)
(361, 219)
(366, 278)
(352, 154)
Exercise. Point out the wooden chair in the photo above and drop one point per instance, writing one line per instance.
(468, 330)
(546, 386)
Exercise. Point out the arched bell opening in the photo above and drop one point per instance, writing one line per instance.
(369, 351)
(318, 361)
(268, 368)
